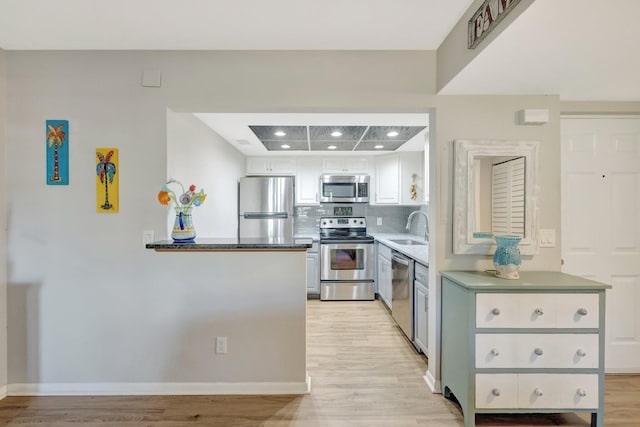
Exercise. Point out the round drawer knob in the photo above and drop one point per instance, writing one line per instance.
(538, 392)
(495, 352)
(581, 352)
(581, 392)
(495, 311)
(538, 312)
(538, 351)
(495, 392)
(582, 311)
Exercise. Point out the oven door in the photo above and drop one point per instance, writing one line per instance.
(346, 261)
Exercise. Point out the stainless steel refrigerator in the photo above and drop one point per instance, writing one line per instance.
(265, 207)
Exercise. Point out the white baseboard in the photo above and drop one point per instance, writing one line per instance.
(3, 392)
(123, 389)
(432, 383)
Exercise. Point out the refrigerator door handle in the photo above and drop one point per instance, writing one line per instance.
(264, 215)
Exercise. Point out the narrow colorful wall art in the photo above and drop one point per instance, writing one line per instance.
(57, 132)
(107, 170)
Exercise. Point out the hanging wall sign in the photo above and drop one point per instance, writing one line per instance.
(487, 18)
(107, 180)
(57, 140)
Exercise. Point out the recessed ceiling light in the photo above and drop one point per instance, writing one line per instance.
(285, 146)
(336, 133)
(377, 147)
(332, 147)
(392, 133)
(279, 133)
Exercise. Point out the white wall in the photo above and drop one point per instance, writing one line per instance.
(3, 233)
(197, 155)
(80, 283)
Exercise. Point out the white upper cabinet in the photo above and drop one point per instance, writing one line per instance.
(345, 165)
(308, 181)
(398, 176)
(387, 180)
(271, 166)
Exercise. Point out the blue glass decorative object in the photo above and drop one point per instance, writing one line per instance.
(506, 259)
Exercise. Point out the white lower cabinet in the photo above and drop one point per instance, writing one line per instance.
(421, 307)
(313, 270)
(384, 274)
(530, 345)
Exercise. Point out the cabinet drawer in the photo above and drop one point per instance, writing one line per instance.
(421, 273)
(558, 391)
(537, 310)
(384, 251)
(496, 391)
(537, 351)
(527, 391)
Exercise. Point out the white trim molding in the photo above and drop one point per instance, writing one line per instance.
(119, 389)
(3, 392)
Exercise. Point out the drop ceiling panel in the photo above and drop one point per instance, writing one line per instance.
(340, 146)
(386, 145)
(379, 133)
(293, 145)
(349, 133)
(293, 133)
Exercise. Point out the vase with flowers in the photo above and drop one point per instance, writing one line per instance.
(183, 229)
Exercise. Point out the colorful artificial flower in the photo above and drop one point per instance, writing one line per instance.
(186, 199)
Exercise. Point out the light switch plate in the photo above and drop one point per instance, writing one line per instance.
(379, 221)
(547, 238)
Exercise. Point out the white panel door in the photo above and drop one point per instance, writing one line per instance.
(601, 223)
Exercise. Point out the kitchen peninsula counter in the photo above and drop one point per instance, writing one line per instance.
(250, 293)
(232, 244)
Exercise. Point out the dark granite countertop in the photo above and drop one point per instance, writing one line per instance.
(233, 244)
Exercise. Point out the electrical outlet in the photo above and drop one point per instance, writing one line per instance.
(221, 345)
(379, 221)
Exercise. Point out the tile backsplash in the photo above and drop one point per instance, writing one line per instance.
(394, 218)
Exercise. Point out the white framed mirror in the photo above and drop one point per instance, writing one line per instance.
(495, 193)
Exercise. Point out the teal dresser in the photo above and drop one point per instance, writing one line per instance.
(535, 344)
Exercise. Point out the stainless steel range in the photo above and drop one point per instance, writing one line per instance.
(347, 269)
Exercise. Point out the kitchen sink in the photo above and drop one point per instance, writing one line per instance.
(407, 242)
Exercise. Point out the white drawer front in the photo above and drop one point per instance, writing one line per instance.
(496, 391)
(537, 310)
(497, 310)
(558, 391)
(578, 311)
(537, 351)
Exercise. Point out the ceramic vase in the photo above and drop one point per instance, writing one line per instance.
(506, 259)
(183, 230)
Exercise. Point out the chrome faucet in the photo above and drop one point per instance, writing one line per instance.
(426, 227)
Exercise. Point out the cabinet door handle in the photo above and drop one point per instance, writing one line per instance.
(581, 392)
(495, 352)
(495, 392)
(426, 303)
(538, 392)
(495, 311)
(538, 351)
(582, 311)
(581, 352)
(538, 312)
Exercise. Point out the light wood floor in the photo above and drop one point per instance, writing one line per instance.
(363, 374)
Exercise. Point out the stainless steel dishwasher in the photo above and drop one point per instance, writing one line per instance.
(402, 292)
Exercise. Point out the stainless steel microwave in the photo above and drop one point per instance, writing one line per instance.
(344, 189)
